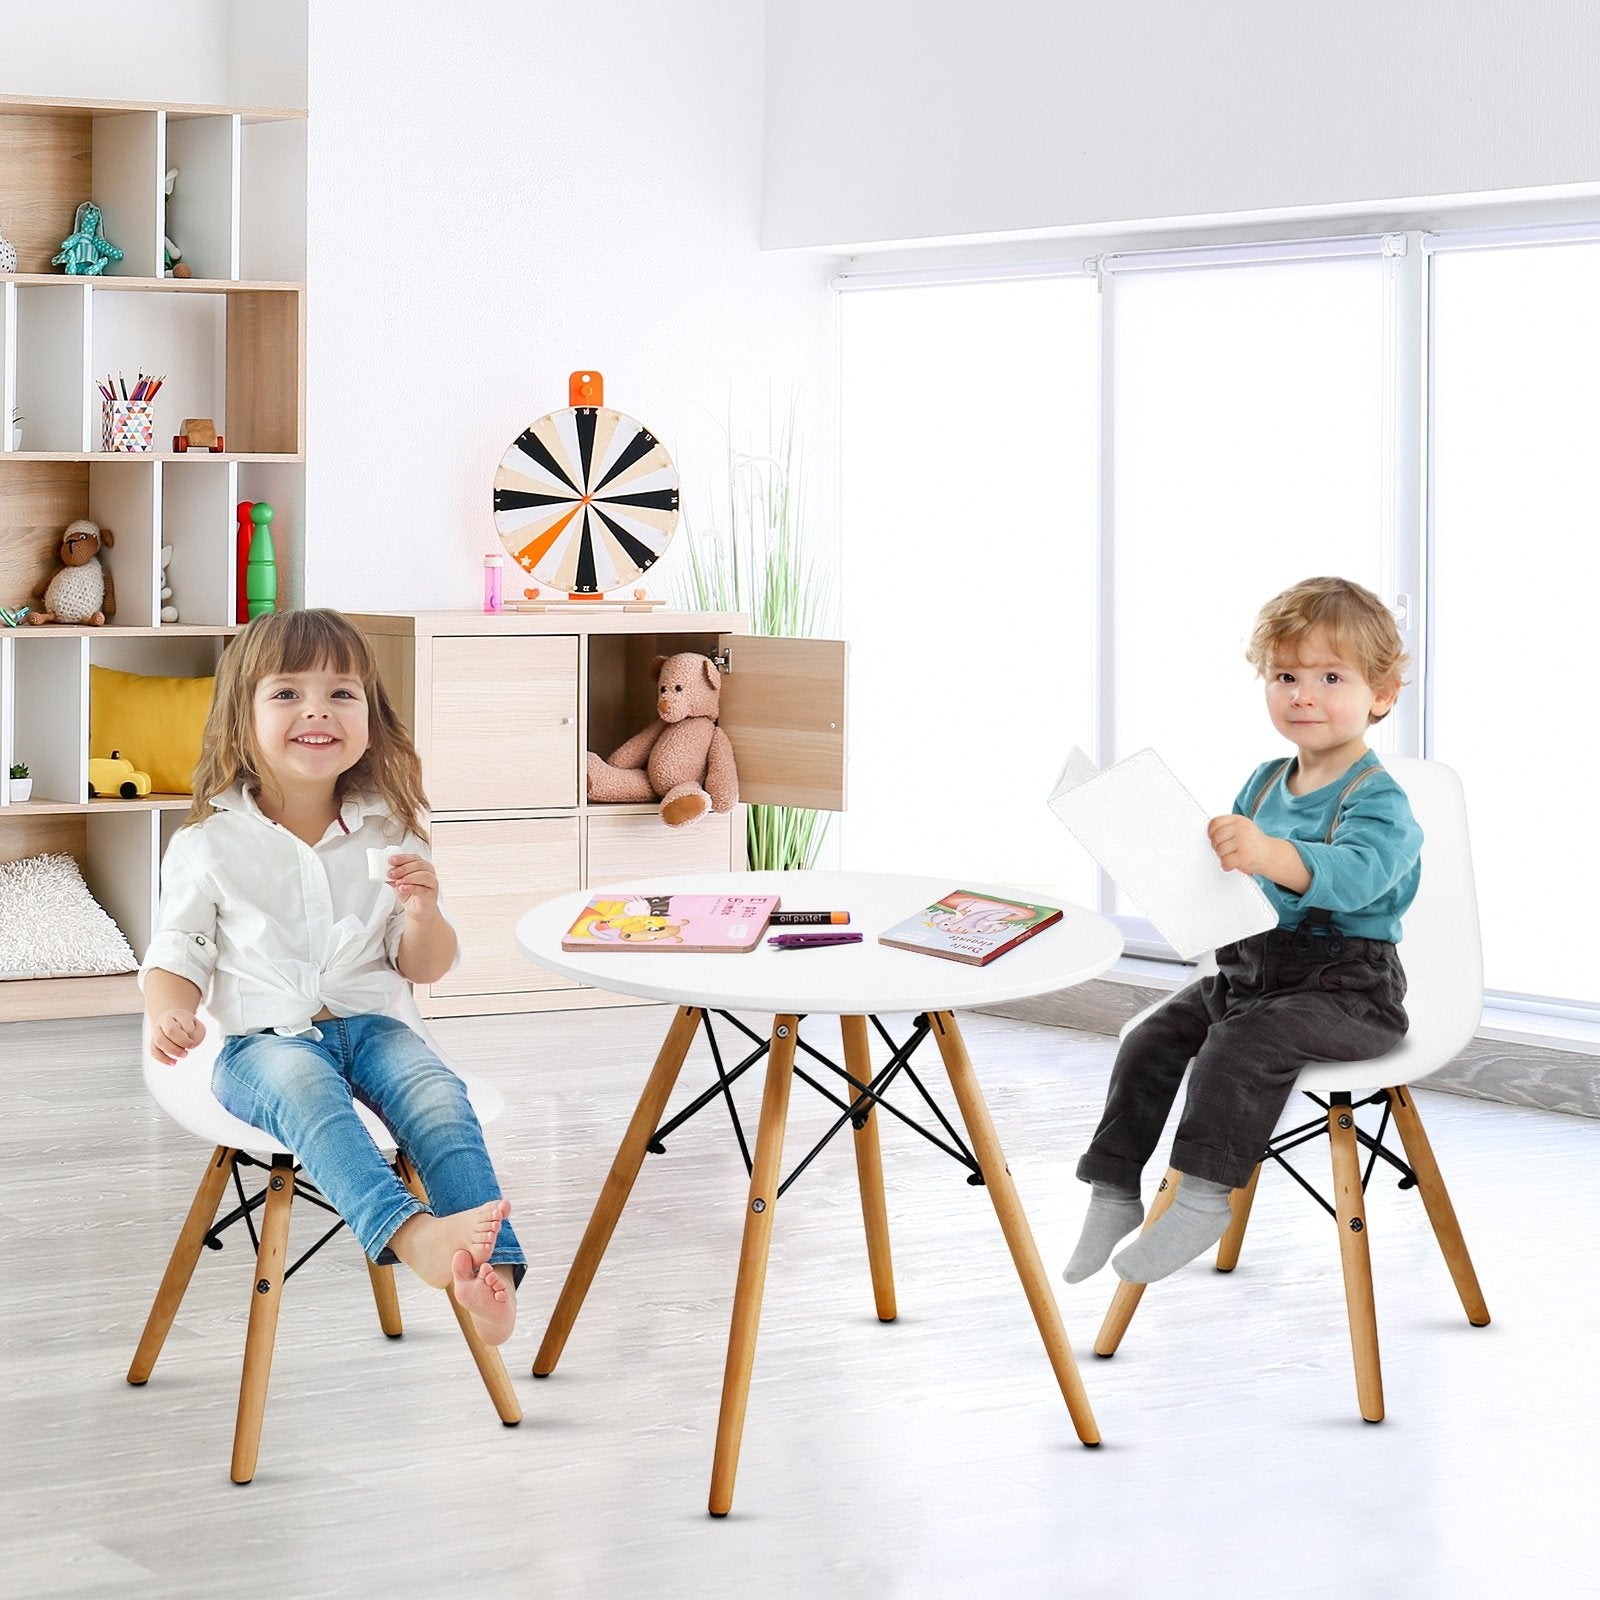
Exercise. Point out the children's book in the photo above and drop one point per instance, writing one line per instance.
(970, 927)
(679, 922)
(1145, 828)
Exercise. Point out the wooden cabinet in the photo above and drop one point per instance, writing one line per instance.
(504, 708)
(230, 342)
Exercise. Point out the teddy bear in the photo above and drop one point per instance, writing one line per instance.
(683, 759)
(80, 589)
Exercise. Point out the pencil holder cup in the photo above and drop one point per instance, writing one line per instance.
(127, 426)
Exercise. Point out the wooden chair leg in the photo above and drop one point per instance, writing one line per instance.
(266, 1293)
(1126, 1300)
(869, 1171)
(759, 1212)
(1356, 1258)
(618, 1185)
(185, 1253)
(1436, 1199)
(486, 1357)
(387, 1299)
(1233, 1240)
(1013, 1220)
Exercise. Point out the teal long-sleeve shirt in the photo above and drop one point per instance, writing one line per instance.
(1368, 874)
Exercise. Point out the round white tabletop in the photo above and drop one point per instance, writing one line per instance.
(847, 979)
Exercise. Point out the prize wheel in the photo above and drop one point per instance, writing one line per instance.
(586, 499)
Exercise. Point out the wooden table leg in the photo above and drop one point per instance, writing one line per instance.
(185, 1253)
(1436, 1199)
(1125, 1301)
(266, 1291)
(1356, 1258)
(1013, 1220)
(618, 1185)
(869, 1170)
(763, 1203)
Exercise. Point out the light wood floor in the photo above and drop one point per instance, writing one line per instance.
(930, 1457)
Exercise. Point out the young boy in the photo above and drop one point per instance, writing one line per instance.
(1329, 836)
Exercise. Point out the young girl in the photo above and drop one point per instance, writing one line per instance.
(1329, 836)
(270, 915)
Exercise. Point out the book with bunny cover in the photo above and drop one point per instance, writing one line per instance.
(970, 926)
(680, 922)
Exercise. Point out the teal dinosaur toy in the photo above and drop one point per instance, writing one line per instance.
(84, 252)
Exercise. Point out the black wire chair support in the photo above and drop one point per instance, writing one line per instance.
(864, 1097)
(1317, 1128)
(249, 1204)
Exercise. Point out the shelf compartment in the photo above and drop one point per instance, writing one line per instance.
(52, 345)
(46, 160)
(201, 216)
(37, 501)
(622, 688)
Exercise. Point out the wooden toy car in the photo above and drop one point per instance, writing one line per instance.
(111, 775)
(199, 433)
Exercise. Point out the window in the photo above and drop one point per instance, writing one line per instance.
(1248, 453)
(1516, 569)
(968, 506)
(1062, 512)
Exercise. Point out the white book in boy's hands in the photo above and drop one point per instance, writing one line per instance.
(1149, 833)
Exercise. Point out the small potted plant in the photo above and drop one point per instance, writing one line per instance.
(21, 781)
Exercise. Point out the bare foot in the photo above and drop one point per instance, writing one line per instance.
(427, 1244)
(478, 1288)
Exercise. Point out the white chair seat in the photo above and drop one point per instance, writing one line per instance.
(183, 1091)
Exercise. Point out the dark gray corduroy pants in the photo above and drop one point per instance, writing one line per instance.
(1278, 1000)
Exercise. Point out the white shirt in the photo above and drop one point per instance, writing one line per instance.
(271, 929)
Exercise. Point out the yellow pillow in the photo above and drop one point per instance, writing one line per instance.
(155, 723)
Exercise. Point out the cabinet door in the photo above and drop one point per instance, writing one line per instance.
(783, 709)
(504, 724)
(641, 845)
(489, 874)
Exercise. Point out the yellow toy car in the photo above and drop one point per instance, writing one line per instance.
(111, 775)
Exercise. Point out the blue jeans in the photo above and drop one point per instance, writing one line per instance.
(302, 1091)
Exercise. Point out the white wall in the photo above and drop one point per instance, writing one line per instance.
(914, 119)
(114, 50)
(502, 193)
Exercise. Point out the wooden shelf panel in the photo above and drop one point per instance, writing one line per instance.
(35, 999)
(133, 285)
(162, 630)
(42, 105)
(84, 808)
(297, 458)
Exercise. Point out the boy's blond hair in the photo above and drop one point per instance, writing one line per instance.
(1358, 624)
(305, 641)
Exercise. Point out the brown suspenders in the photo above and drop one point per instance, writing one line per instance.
(1338, 809)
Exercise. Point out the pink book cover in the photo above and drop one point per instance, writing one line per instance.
(970, 927)
(671, 922)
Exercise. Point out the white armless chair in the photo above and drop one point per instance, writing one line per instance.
(1443, 961)
(183, 1091)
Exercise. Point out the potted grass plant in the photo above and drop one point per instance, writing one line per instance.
(758, 561)
(21, 781)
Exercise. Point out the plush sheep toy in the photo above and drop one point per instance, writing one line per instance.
(683, 759)
(80, 590)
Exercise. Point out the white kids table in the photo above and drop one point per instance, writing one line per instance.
(858, 983)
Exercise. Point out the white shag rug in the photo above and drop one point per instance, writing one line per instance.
(52, 927)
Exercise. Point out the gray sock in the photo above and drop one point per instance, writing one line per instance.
(1196, 1219)
(1113, 1214)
